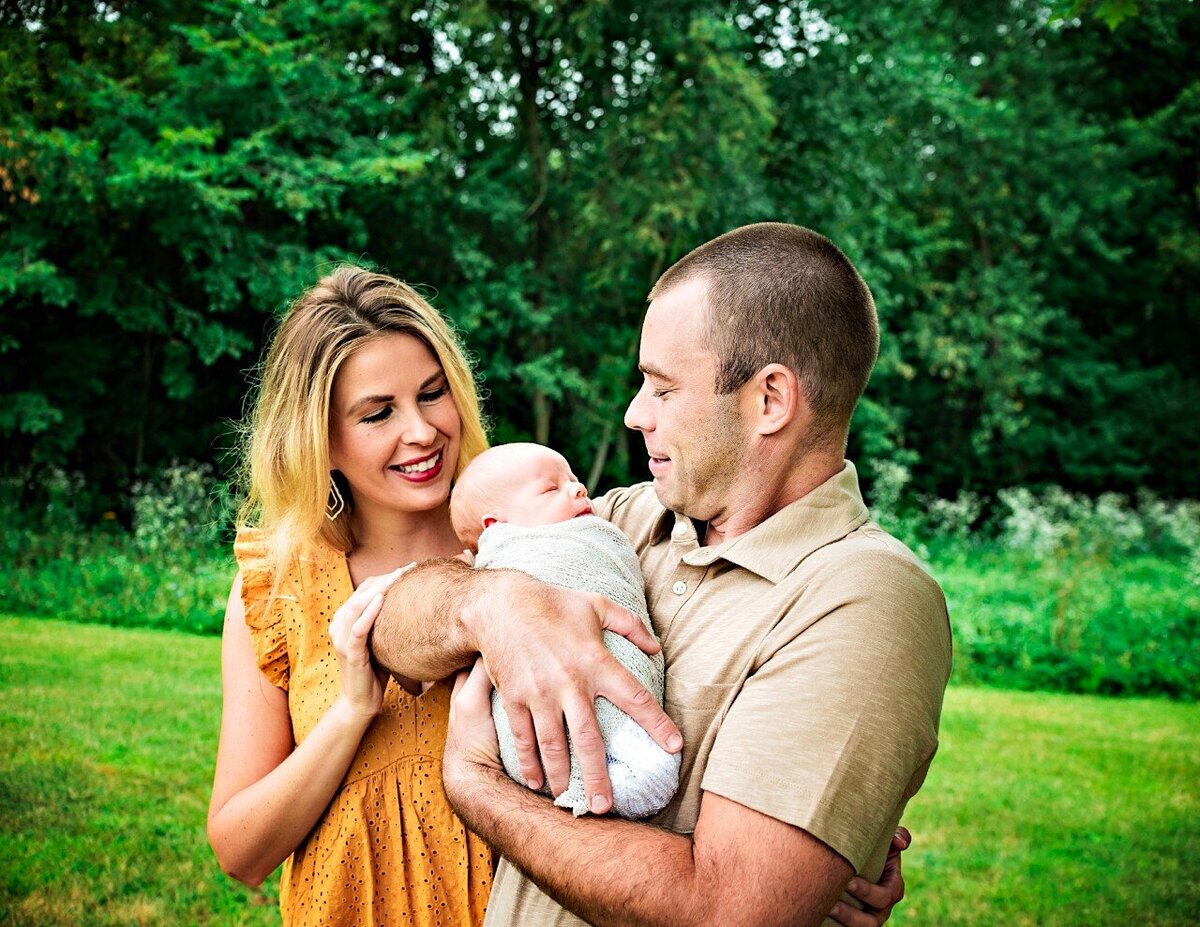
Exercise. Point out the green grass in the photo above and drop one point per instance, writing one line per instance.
(109, 738)
(1046, 809)
(1040, 809)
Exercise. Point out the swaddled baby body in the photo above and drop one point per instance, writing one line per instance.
(520, 507)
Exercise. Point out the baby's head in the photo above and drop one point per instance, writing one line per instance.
(522, 484)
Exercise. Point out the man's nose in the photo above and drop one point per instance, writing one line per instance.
(635, 415)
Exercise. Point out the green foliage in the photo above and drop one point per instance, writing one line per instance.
(1056, 590)
(183, 507)
(1073, 622)
(174, 175)
(1016, 181)
(173, 570)
(1053, 591)
(1111, 12)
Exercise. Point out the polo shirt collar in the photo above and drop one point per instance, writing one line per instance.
(775, 547)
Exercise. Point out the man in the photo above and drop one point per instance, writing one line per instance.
(807, 651)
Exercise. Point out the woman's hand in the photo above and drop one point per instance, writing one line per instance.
(879, 897)
(363, 683)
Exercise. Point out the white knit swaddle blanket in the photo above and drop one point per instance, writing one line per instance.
(589, 554)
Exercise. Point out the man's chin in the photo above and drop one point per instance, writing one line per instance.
(666, 494)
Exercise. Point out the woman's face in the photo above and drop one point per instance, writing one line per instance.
(393, 427)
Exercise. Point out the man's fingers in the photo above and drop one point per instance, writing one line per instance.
(552, 742)
(525, 738)
(621, 688)
(901, 840)
(588, 744)
(628, 625)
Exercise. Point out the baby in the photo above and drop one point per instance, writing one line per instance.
(519, 507)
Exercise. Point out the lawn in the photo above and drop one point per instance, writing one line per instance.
(109, 737)
(1040, 809)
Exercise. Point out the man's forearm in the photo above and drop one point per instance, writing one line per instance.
(605, 870)
(424, 630)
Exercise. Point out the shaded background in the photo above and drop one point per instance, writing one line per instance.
(1019, 190)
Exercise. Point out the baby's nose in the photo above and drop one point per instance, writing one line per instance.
(580, 489)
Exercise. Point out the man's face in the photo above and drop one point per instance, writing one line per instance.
(697, 441)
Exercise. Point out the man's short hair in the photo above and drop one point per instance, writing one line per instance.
(780, 293)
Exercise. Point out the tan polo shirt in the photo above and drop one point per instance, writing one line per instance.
(806, 663)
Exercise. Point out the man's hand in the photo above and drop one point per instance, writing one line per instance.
(543, 647)
(879, 897)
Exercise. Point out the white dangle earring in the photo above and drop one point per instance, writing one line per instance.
(336, 503)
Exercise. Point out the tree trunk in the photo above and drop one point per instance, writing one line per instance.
(541, 417)
(601, 456)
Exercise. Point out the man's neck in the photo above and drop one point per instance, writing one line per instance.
(794, 483)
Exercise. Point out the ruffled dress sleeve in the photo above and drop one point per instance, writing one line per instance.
(270, 608)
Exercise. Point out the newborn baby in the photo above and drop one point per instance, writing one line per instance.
(520, 508)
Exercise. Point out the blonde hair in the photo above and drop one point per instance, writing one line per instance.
(285, 467)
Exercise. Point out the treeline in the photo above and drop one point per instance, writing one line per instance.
(1018, 188)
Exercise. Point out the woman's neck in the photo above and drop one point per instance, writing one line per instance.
(396, 538)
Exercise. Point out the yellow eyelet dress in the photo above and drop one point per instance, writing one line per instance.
(389, 850)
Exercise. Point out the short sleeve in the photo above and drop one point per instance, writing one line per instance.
(269, 610)
(835, 729)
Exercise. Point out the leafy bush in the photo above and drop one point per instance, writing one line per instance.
(1078, 594)
(183, 505)
(1047, 590)
(172, 571)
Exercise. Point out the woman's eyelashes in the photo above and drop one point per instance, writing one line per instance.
(379, 416)
(424, 398)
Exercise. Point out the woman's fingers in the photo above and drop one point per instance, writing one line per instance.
(878, 897)
(849, 916)
(362, 626)
(346, 618)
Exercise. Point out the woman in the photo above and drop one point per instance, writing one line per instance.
(366, 413)
(323, 762)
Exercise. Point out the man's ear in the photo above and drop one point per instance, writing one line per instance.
(779, 399)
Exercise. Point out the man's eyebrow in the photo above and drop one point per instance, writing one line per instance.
(651, 371)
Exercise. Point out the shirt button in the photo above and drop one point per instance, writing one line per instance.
(680, 587)
(680, 529)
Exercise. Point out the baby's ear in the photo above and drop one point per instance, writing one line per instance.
(489, 520)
